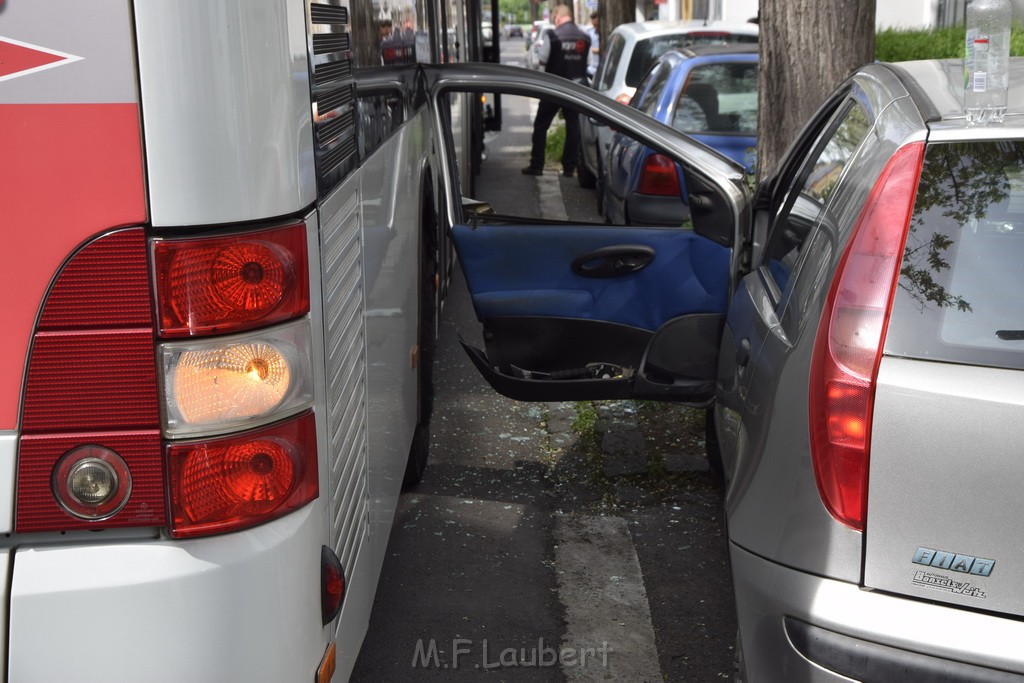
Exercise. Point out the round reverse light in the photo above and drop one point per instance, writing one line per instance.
(91, 482)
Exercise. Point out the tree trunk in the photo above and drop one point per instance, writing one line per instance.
(613, 13)
(807, 47)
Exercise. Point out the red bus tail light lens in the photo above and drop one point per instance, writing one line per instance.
(240, 481)
(659, 177)
(848, 348)
(332, 585)
(214, 285)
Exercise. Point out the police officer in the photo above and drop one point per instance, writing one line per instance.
(563, 52)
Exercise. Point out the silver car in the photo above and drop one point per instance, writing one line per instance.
(859, 332)
(870, 393)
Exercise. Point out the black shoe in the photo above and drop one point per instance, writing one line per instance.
(530, 170)
(567, 172)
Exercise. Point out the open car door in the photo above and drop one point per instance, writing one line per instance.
(577, 310)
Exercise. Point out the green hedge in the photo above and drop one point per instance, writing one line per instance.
(900, 45)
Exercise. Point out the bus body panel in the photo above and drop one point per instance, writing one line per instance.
(370, 246)
(226, 110)
(225, 122)
(72, 155)
(234, 607)
(8, 469)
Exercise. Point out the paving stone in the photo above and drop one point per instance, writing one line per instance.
(685, 462)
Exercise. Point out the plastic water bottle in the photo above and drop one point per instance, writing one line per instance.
(986, 61)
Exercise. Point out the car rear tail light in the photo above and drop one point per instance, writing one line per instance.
(232, 483)
(214, 285)
(228, 383)
(659, 177)
(848, 348)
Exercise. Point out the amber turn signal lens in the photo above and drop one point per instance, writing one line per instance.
(235, 382)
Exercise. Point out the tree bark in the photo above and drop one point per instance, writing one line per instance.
(807, 47)
(613, 13)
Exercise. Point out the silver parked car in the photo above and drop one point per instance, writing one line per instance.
(870, 393)
(859, 332)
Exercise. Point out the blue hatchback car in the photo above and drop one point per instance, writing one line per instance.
(708, 92)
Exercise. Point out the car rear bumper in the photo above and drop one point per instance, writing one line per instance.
(798, 626)
(241, 606)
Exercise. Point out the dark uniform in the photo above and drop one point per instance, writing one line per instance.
(567, 57)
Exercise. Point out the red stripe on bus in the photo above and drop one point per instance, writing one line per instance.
(70, 171)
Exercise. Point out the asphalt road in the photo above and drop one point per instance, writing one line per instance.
(566, 541)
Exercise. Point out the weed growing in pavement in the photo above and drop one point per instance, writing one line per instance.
(629, 454)
(555, 142)
(586, 420)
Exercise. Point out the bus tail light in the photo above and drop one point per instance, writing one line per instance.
(659, 177)
(851, 334)
(215, 285)
(92, 482)
(89, 453)
(236, 482)
(332, 585)
(96, 450)
(227, 383)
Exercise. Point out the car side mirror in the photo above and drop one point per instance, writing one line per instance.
(710, 213)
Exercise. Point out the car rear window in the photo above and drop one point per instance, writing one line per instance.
(651, 88)
(961, 289)
(649, 49)
(718, 98)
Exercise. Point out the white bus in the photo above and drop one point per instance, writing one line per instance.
(222, 271)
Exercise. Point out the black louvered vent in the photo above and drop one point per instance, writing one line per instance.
(334, 121)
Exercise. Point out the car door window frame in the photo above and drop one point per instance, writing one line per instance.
(798, 169)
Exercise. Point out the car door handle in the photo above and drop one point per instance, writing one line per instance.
(613, 261)
(743, 353)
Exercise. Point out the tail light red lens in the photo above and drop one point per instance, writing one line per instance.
(659, 177)
(332, 585)
(848, 348)
(215, 285)
(222, 485)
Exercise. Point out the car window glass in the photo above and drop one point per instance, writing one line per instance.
(808, 197)
(646, 51)
(605, 75)
(651, 88)
(718, 98)
(501, 191)
(960, 297)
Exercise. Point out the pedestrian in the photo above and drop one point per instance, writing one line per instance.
(594, 31)
(563, 52)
